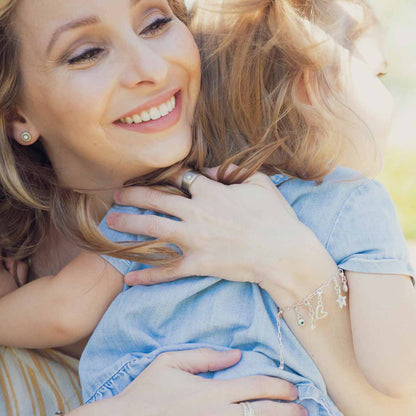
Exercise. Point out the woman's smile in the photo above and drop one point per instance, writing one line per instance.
(156, 115)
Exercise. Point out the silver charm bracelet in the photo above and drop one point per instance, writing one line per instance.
(315, 309)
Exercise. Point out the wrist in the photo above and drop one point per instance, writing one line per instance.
(301, 273)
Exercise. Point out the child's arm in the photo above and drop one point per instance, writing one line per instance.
(367, 241)
(383, 321)
(59, 310)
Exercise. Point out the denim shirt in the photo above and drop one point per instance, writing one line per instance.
(352, 216)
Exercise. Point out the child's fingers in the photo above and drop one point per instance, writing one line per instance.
(22, 273)
(18, 269)
(9, 264)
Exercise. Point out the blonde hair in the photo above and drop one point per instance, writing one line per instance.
(249, 112)
(255, 55)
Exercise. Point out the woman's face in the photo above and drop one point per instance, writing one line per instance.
(110, 86)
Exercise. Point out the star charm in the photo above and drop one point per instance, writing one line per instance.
(342, 301)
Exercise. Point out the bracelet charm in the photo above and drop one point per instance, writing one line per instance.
(314, 305)
(318, 312)
(301, 319)
(341, 300)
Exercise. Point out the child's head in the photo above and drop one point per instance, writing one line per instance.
(369, 48)
(359, 30)
(373, 102)
(258, 59)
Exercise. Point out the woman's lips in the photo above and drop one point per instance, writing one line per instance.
(154, 126)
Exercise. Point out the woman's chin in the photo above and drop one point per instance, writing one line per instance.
(171, 153)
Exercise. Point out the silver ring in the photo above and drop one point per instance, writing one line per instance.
(188, 179)
(247, 409)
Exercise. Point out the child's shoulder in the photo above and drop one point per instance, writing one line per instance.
(353, 216)
(338, 185)
(319, 205)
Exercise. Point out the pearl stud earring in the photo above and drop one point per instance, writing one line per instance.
(26, 137)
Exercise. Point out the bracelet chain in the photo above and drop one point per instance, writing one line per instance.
(315, 309)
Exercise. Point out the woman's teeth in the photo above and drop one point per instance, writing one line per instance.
(153, 114)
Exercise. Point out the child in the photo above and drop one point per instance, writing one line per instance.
(145, 321)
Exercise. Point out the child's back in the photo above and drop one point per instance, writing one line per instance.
(353, 218)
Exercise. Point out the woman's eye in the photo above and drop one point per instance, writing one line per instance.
(157, 26)
(87, 56)
(92, 54)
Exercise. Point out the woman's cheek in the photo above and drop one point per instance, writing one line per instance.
(184, 48)
(90, 85)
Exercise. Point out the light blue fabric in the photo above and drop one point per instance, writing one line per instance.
(354, 219)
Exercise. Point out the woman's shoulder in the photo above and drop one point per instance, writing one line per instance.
(37, 382)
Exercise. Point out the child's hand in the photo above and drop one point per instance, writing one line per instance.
(9, 282)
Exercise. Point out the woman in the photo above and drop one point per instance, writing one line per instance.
(73, 98)
(185, 65)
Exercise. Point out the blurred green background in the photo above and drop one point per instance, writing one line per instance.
(399, 174)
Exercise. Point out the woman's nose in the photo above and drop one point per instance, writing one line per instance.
(144, 64)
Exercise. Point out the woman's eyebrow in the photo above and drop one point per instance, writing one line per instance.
(84, 21)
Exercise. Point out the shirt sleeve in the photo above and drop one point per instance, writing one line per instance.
(366, 236)
(122, 265)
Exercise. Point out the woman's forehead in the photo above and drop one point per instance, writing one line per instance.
(48, 15)
(40, 22)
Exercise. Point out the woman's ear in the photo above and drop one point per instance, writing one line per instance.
(21, 128)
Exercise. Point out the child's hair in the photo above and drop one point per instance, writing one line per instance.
(249, 111)
(255, 55)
